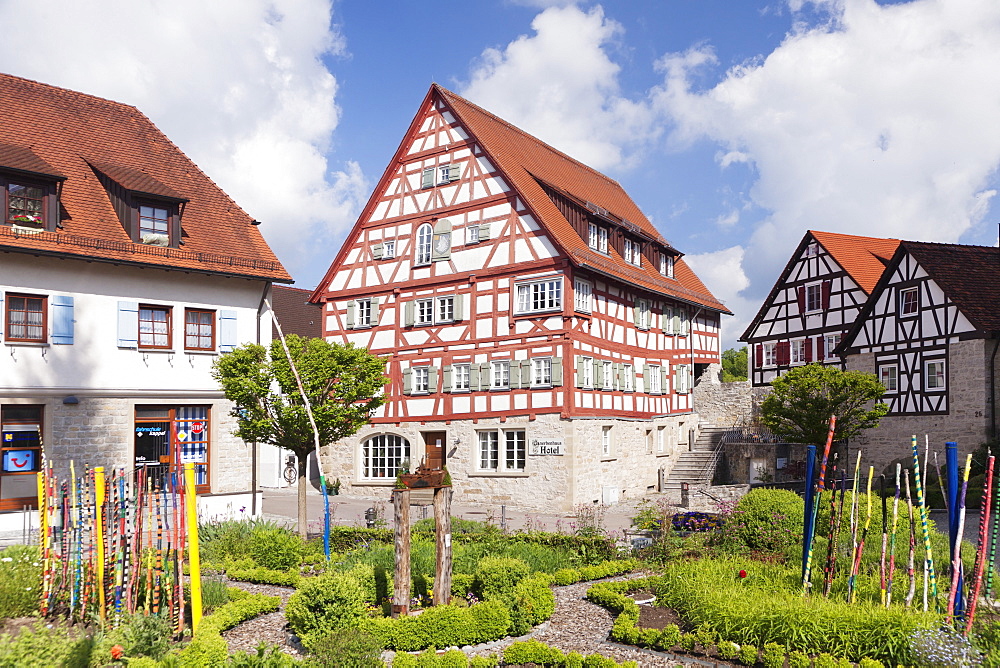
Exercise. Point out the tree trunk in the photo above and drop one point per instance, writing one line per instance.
(303, 483)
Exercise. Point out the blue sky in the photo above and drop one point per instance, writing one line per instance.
(736, 125)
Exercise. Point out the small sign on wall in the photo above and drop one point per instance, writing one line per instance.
(545, 446)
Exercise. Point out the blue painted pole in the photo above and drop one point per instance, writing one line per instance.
(326, 517)
(810, 498)
(951, 461)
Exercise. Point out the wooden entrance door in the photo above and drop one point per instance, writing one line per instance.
(434, 442)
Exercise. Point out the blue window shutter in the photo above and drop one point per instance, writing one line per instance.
(62, 320)
(128, 324)
(227, 331)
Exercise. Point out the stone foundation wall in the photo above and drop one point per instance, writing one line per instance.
(699, 498)
(967, 421)
(582, 474)
(722, 404)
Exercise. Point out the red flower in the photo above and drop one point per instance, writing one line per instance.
(743, 574)
(117, 651)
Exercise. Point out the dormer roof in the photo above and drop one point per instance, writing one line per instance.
(72, 137)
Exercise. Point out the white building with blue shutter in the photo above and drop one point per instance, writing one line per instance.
(125, 272)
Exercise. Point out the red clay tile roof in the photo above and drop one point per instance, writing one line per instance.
(66, 130)
(969, 276)
(527, 162)
(23, 159)
(863, 258)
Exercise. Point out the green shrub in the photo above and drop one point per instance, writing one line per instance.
(264, 656)
(799, 660)
(705, 637)
(441, 626)
(670, 636)
(531, 603)
(728, 650)
(687, 642)
(825, 660)
(20, 581)
(404, 660)
(324, 604)
(532, 651)
(453, 659)
(767, 519)
(870, 663)
(458, 526)
(42, 647)
(275, 548)
(208, 648)
(768, 607)
(222, 539)
(773, 655)
(497, 576)
(484, 661)
(461, 584)
(566, 576)
(214, 593)
(748, 654)
(261, 575)
(146, 635)
(349, 648)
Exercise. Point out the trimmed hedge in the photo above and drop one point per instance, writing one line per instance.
(345, 539)
(209, 648)
(568, 576)
(261, 575)
(441, 626)
(538, 653)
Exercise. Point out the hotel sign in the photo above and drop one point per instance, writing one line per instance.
(545, 446)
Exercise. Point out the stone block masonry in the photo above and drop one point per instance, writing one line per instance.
(603, 461)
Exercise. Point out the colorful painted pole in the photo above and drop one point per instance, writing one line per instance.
(812, 508)
(922, 508)
(809, 517)
(892, 542)
(193, 555)
(861, 545)
(984, 522)
(854, 521)
(991, 559)
(833, 538)
(99, 496)
(885, 537)
(955, 603)
(910, 563)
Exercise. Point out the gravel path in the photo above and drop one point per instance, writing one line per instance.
(269, 628)
(576, 625)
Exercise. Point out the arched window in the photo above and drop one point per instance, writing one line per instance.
(383, 455)
(424, 234)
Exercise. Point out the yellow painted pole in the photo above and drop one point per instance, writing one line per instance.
(194, 558)
(99, 492)
(43, 509)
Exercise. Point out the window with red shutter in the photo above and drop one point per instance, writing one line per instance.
(759, 356)
(827, 286)
(784, 352)
(801, 296)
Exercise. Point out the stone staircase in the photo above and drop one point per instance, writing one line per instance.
(697, 465)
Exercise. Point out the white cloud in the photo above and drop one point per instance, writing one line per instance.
(722, 273)
(566, 86)
(237, 84)
(880, 122)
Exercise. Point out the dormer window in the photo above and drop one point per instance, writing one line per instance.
(154, 225)
(598, 238)
(667, 265)
(149, 211)
(28, 188)
(632, 252)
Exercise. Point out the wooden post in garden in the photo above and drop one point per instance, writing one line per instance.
(442, 526)
(401, 578)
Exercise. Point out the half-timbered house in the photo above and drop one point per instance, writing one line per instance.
(930, 331)
(125, 272)
(542, 336)
(815, 300)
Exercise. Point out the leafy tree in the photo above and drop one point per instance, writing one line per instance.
(342, 383)
(734, 365)
(803, 399)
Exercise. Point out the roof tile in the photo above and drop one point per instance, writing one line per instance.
(68, 131)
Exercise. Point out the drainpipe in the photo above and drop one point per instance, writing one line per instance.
(691, 346)
(993, 387)
(253, 446)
